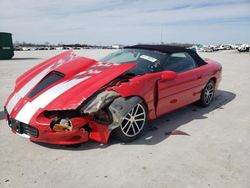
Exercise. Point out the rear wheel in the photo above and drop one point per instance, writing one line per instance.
(133, 124)
(207, 94)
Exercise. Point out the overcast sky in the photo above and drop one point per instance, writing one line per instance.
(107, 22)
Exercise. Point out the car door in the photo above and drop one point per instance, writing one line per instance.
(182, 90)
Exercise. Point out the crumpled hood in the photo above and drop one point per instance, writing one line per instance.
(79, 79)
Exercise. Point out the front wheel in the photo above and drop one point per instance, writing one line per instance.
(207, 94)
(133, 124)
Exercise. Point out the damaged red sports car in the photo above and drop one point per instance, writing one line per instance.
(69, 99)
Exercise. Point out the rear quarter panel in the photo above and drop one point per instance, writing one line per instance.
(213, 69)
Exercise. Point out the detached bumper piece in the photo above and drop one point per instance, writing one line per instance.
(23, 128)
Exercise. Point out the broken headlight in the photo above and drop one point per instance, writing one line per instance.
(61, 125)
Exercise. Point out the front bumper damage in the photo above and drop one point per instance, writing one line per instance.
(79, 134)
(85, 127)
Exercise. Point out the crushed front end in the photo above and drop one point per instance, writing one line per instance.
(64, 100)
(66, 127)
(94, 119)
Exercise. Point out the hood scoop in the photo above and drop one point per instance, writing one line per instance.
(47, 81)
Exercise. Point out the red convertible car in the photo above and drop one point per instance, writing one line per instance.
(69, 99)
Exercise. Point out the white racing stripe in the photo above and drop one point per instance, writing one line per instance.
(30, 108)
(29, 85)
(12, 102)
(25, 89)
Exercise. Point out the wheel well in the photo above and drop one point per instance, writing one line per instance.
(143, 101)
(214, 79)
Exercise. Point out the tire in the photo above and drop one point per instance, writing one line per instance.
(133, 125)
(207, 94)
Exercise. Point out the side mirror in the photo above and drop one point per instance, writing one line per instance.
(168, 75)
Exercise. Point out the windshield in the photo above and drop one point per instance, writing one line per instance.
(147, 61)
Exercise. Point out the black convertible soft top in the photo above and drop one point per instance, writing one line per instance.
(170, 49)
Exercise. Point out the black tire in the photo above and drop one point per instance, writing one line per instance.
(207, 94)
(133, 124)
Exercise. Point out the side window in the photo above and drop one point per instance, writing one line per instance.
(179, 62)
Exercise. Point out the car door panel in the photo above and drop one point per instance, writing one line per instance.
(183, 90)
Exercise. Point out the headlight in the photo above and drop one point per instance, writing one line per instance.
(62, 125)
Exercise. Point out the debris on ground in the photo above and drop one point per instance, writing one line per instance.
(176, 132)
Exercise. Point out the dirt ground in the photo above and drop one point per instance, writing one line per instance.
(208, 147)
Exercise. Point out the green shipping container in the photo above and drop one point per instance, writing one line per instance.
(6, 46)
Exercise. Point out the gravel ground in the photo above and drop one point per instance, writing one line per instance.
(208, 147)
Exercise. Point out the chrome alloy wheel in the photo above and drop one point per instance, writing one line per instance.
(209, 93)
(134, 121)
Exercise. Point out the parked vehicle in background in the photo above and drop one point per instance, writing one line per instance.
(244, 48)
(225, 47)
(235, 46)
(6, 46)
(18, 48)
(206, 49)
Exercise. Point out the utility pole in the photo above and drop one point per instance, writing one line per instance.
(161, 34)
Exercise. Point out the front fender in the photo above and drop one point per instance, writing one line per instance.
(145, 87)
